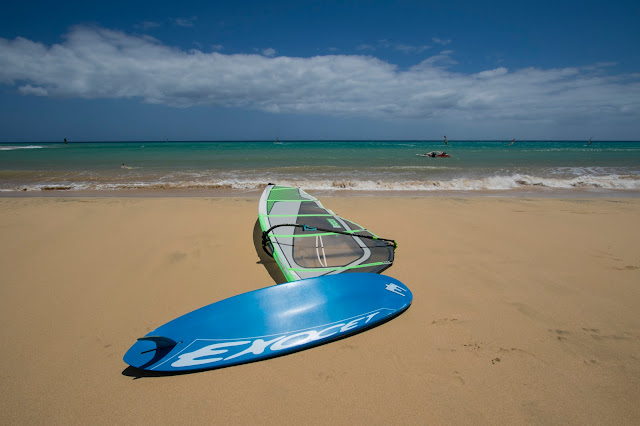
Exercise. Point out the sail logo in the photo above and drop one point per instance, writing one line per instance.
(229, 350)
(334, 223)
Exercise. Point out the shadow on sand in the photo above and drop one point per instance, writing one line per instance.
(267, 261)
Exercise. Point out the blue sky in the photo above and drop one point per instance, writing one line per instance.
(156, 70)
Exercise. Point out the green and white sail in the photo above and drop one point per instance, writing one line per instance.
(307, 240)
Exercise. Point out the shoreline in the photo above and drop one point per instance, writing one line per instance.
(525, 311)
(339, 192)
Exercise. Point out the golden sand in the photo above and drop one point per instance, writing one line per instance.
(524, 311)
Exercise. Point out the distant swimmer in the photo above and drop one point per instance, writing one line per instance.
(125, 166)
(512, 141)
(446, 142)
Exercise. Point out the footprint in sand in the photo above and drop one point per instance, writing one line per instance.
(560, 334)
(444, 321)
(457, 378)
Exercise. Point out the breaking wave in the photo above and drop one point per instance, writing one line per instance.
(491, 183)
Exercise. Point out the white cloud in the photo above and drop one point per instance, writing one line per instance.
(411, 49)
(365, 47)
(386, 44)
(30, 90)
(98, 63)
(270, 52)
(440, 41)
(184, 22)
(492, 73)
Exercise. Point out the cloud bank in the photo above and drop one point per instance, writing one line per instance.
(95, 63)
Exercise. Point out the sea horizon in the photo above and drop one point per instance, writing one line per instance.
(278, 140)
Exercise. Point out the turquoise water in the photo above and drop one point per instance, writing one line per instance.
(542, 166)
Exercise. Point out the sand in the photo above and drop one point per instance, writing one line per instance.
(524, 311)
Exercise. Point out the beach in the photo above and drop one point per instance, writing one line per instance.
(525, 310)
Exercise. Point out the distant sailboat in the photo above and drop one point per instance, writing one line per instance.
(512, 141)
(277, 142)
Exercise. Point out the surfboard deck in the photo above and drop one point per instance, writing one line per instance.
(270, 322)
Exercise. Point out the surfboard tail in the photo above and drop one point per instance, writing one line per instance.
(160, 341)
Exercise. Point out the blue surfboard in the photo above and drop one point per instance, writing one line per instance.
(270, 322)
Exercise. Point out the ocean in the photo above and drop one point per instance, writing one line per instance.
(475, 167)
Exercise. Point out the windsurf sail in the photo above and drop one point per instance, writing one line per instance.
(446, 142)
(307, 240)
(512, 141)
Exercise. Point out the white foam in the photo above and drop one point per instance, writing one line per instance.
(491, 183)
(12, 148)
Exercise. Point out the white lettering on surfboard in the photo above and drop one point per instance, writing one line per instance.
(393, 288)
(230, 350)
